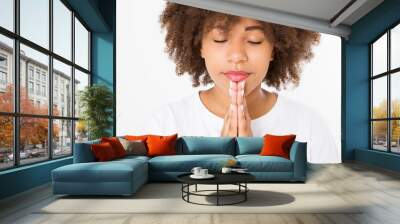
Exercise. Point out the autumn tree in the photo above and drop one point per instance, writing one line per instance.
(380, 127)
(33, 131)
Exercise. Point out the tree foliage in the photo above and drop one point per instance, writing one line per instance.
(33, 131)
(380, 127)
(96, 102)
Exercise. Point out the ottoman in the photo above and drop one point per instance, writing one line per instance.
(118, 177)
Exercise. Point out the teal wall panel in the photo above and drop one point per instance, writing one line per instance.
(356, 86)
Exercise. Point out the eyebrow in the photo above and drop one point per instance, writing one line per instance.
(249, 28)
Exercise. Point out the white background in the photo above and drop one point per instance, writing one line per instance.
(146, 77)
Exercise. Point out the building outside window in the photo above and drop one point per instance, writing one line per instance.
(3, 61)
(3, 78)
(3, 72)
(30, 87)
(37, 75)
(43, 90)
(30, 72)
(43, 78)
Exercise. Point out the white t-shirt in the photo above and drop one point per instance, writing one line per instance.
(189, 117)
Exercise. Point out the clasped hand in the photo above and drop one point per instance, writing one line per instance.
(237, 121)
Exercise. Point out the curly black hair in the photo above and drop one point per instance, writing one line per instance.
(185, 26)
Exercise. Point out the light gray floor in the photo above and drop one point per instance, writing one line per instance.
(378, 188)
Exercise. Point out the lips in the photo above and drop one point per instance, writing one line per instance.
(237, 76)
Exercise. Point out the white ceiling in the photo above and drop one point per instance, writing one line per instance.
(325, 16)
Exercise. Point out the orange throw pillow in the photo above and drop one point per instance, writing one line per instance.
(135, 138)
(161, 145)
(116, 145)
(103, 151)
(277, 145)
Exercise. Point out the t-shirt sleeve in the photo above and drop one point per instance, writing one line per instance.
(322, 147)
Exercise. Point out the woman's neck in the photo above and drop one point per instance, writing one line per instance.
(259, 102)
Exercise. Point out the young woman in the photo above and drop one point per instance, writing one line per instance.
(236, 55)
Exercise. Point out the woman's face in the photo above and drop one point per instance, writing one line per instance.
(242, 54)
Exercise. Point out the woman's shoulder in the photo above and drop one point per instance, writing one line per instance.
(287, 105)
(178, 106)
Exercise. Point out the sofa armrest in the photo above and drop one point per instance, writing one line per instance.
(83, 152)
(298, 155)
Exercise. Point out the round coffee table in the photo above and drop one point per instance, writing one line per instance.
(238, 179)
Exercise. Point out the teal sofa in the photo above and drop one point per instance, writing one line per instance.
(126, 175)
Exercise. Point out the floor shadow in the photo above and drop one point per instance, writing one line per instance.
(255, 198)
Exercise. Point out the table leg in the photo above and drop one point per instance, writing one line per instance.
(217, 194)
(188, 189)
(245, 193)
(182, 188)
(196, 188)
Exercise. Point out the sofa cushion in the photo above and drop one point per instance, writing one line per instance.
(257, 163)
(193, 145)
(111, 171)
(249, 145)
(131, 158)
(185, 163)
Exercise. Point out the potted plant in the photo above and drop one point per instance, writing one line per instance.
(96, 102)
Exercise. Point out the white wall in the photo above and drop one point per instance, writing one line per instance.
(146, 76)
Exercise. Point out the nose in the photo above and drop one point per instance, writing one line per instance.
(237, 53)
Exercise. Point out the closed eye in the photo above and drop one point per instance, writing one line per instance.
(255, 42)
(220, 41)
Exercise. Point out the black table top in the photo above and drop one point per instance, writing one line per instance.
(220, 178)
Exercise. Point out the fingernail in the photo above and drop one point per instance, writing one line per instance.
(242, 92)
(231, 107)
(241, 108)
(242, 83)
(233, 85)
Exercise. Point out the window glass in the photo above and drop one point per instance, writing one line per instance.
(7, 14)
(62, 142)
(6, 142)
(62, 91)
(81, 82)
(6, 74)
(379, 100)
(379, 55)
(34, 21)
(81, 131)
(62, 29)
(395, 136)
(33, 140)
(395, 95)
(379, 135)
(395, 47)
(81, 45)
(39, 62)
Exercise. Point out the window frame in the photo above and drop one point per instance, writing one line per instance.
(388, 74)
(15, 71)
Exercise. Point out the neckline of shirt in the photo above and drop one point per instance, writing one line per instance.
(204, 109)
